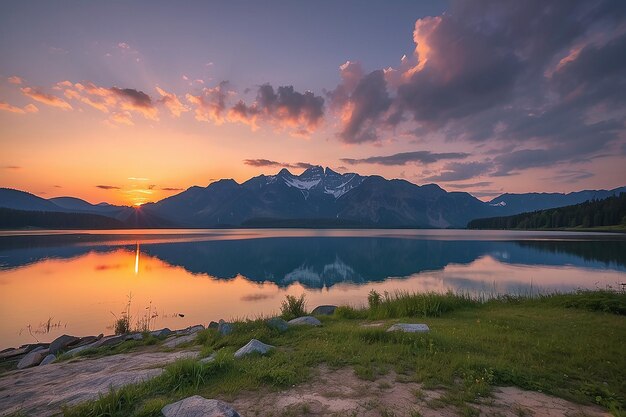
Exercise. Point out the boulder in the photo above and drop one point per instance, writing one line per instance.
(109, 341)
(48, 359)
(161, 333)
(77, 350)
(253, 346)
(198, 406)
(278, 324)
(305, 321)
(190, 329)
(134, 336)
(179, 340)
(213, 325)
(87, 340)
(224, 328)
(62, 342)
(409, 328)
(14, 352)
(326, 310)
(34, 358)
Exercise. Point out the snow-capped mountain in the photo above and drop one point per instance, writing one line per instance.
(320, 195)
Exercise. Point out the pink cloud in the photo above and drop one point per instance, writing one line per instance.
(48, 99)
(29, 108)
(172, 102)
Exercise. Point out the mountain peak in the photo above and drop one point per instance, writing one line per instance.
(314, 170)
(329, 171)
(284, 172)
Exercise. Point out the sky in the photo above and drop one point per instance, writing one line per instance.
(130, 102)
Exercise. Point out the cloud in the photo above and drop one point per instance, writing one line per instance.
(121, 103)
(108, 187)
(210, 105)
(48, 99)
(269, 163)
(29, 108)
(363, 104)
(12, 167)
(544, 79)
(171, 189)
(284, 108)
(15, 80)
(459, 171)
(172, 102)
(403, 158)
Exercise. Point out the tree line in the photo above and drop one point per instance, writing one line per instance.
(593, 213)
(18, 219)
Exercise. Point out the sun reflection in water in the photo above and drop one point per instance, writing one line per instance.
(137, 259)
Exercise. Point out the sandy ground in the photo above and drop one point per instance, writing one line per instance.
(41, 391)
(342, 393)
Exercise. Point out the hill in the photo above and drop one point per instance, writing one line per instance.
(594, 213)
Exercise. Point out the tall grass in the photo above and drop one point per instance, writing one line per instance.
(405, 304)
(293, 307)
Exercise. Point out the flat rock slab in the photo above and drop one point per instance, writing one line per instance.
(409, 328)
(41, 391)
(305, 321)
(177, 341)
(253, 346)
(62, 342)
(198, 406)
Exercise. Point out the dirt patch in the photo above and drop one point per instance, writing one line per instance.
(42, 390)
(341, 393)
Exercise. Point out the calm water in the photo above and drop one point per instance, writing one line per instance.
(62, 282)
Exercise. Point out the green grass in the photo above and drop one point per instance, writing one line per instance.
(570, 346)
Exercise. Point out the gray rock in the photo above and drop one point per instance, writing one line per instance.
(224, 328)
(409, 328)
(13, 353)
(326, 310)
(109, 341)
(198, 406)
(209, 358)
(48, 359)
(305, 321)
(75, 351)
(179, 340)
(252, 347)
(134, 336)
(190, 329)
(213, 325)
(62, 342)
(87, 340)
(161, 333)
(278, 324)
(34, 358)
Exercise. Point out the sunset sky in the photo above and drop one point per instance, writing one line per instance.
(129, 102)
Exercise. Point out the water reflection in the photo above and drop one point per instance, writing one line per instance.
(79, 281)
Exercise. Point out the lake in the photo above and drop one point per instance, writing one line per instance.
(56, 282)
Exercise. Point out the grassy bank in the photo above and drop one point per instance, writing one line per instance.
(570, 346)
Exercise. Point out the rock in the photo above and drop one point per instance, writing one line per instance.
(409, 328)
(224, 328)
(179, 340)
(305, 321)
(198, 406)
(34, 358)
(213, 325)
(278, 324)
(326, 310)
(13, 353)
(109, 341)
(87, 340)
(208, 359)
(190, 329)
(79, 349)
(134, 336)
(48, 359)
(161, 333)
(62, 342)
(252, 347)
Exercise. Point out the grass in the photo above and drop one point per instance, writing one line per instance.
(293, 307)
(570, 346)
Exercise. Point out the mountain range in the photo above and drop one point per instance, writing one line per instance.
(318, 197)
